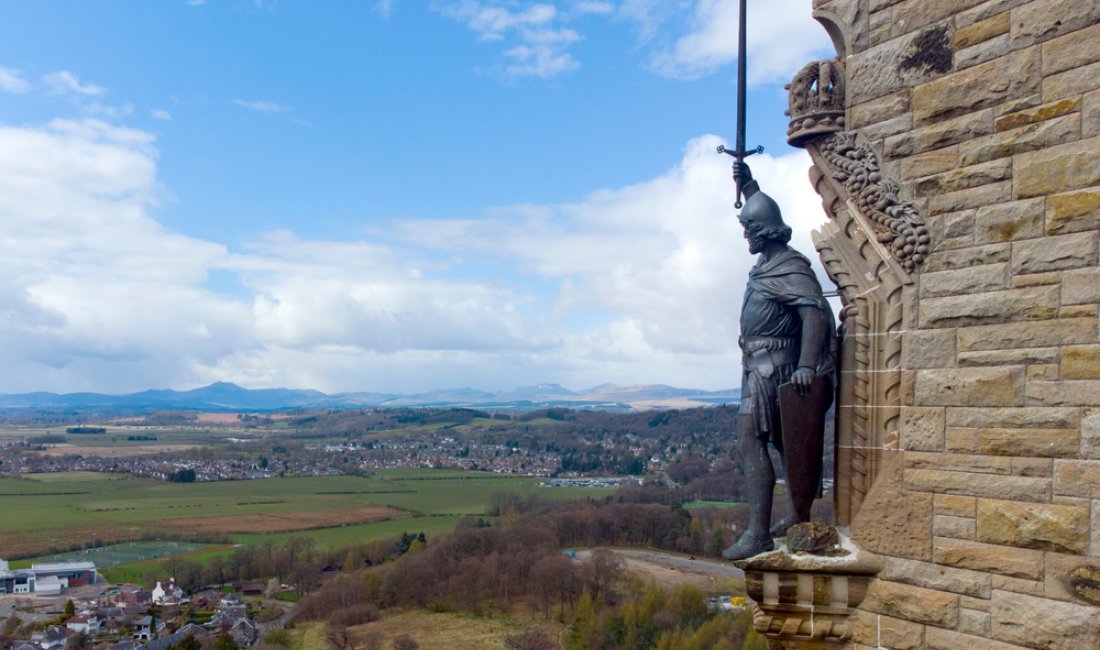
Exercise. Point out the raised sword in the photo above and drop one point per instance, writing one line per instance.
(739, 152)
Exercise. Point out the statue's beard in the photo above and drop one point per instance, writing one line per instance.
(756, 244)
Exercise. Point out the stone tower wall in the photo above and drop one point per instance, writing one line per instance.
(985, 502)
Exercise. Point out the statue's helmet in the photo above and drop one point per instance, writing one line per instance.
(761, 215)
(763, 210)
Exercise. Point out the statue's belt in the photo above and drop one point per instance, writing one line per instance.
(763, 354)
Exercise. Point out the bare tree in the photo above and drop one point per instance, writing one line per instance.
(603, 573)
(373, 640)
(532, 638)
(303, 574)
(340, 637)
(215, 570)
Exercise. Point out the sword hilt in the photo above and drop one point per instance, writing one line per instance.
(739, 155)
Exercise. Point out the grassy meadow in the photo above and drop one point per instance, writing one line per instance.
(44, 513)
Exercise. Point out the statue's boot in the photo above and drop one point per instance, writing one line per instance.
(749, 544)
(779, 528)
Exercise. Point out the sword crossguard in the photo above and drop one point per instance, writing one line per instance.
(739, 155)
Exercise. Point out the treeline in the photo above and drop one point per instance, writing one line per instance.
(480, 567)
(86, 430)
(517, 565)
(297, 561)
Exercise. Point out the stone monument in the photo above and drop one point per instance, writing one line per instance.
(956, 148)
(788, 364)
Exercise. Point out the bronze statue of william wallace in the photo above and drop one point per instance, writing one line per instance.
(787, 338)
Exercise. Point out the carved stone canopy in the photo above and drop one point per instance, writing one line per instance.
(816, 98)
(871, 246)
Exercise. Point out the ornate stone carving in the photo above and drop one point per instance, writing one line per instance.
(816, 98)
(804, 601)
(872, 244)
(896, 224)
(871, 286)
(817, 105)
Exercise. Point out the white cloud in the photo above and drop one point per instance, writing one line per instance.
(781, 37)
(261, 106)
(196, 3)
(493, 21)
(639, 284)
(65, 82)
(384, 7)
(782, 34)
(665, 257)
(108, 111)
(649, 15)
(542, 56)
(595, 7)
(161, 114)
(11, 81)
(93, 290)
(534, 44)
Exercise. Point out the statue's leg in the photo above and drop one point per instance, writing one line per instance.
(793, 516)
(801, 506)
(756, 464)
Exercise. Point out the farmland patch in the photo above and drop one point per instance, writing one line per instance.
(278, 522)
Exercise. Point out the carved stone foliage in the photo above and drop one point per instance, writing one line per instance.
(895, 222)
(816, 97)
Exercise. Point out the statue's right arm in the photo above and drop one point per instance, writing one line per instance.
(742, 175)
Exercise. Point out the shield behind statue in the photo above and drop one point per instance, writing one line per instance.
(803, 418)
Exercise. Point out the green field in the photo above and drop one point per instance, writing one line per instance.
(46, 513)
(116, 437)
(694, 505)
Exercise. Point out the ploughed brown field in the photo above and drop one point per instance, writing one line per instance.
(278, 522)
(41, 542)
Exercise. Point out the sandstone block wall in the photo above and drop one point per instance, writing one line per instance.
(987, 112)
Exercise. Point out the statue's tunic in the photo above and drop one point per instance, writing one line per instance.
(771, 334)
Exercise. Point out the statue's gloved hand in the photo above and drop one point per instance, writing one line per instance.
(742, 175)
(802, 378)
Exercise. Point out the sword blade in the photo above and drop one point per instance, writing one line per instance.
(741, 82)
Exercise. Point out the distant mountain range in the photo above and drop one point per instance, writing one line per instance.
(223, 396)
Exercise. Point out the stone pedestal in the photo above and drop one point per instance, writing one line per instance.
(803, 601)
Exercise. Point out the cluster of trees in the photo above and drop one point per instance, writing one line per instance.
(650, 617)
(701, 478)
(296, 561)
(500, 569)
(181, 476)
(483, 567)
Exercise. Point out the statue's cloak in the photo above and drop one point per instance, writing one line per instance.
(777, 288)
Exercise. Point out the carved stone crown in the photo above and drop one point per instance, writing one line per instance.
(816, 98)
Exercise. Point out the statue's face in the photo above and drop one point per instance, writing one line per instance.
(756, 242)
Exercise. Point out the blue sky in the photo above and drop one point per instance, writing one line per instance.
(390, 196)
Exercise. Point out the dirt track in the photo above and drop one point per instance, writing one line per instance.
(672, 568)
